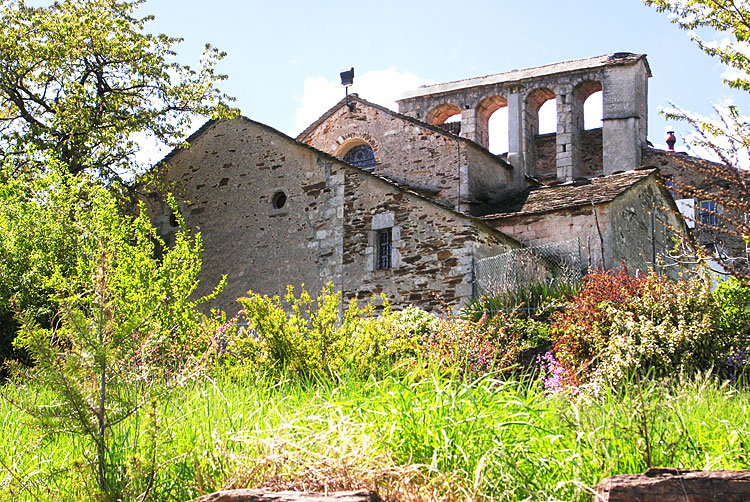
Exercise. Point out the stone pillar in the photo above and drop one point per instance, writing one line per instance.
(470, 126)
(624, 127)
(568, 164)
(515, 137)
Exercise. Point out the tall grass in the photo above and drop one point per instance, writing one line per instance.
(425, 436)
(526, 300)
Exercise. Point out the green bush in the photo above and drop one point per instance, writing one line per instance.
(302, 335)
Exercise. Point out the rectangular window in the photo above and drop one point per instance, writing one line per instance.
(385, 248)
(708, 210)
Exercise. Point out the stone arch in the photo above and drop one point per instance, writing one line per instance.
(439, 114)
(365, 160)
(581, 93)
(587, 145)
(541, 151)
(485, 111)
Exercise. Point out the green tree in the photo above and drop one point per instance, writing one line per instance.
(126, 331)
(80, 78)
(727, 135)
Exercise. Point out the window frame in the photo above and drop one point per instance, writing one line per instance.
(384, 249)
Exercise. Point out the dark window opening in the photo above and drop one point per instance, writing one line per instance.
(173, 220)
(708, 211)
(279, 200)
(361, 156)
(385, 249)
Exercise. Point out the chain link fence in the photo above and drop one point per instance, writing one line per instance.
(547, 263)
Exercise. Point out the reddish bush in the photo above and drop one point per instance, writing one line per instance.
(584, 321)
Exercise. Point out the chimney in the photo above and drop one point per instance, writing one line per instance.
(671, 140)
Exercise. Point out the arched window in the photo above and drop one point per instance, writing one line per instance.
(361, 156)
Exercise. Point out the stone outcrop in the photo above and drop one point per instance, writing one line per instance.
(675, 485)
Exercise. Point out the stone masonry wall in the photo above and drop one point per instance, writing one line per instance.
(632, 228)
(226, 181)
(325, 231)
(590, 154)
(574, 223)
(434, 163)
(432, 248)
(685, 172)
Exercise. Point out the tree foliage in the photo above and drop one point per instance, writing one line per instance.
(730, 17)
(725, 136)
(80, 78)
(124, 331)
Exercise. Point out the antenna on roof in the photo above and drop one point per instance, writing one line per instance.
(347, 79)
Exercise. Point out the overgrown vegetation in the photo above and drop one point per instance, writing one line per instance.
(420, 436)
(132, 395)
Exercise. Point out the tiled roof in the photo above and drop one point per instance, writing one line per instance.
(545, 199)
(616, 59)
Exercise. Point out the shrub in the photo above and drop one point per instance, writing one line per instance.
(584, 324)
(497, 343)
(306, 336)
(618, 326)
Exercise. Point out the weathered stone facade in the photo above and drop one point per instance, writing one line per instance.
(442, 166)
(693, 181)
(623, 218)
(622, 77)
(229, 183)
(418, 205)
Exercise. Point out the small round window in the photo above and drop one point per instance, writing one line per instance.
(279, 200)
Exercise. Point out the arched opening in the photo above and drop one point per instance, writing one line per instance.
(593, 110)
(587, 104)
(547, 117)
(541, 132)
(492, 124)
(358, 153)
(448, 116)
(587, 135)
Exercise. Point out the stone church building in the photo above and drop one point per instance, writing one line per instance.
(401, 203)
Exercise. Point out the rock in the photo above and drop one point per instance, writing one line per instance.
(266, 496)
(675, 485)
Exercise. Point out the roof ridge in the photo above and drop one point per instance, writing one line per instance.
(612, 59)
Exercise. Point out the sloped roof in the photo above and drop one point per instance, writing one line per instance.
(546, 199)
(403, 188)
(355, 98)
(515, 76)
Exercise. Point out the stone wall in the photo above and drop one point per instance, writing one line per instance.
(675, 485)
(621, 227)
(226, 182)
(428, 160)
(432, 248)
(622, 78)
(642, 225)
(548, 228)
(691, 176)
(590, 154)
